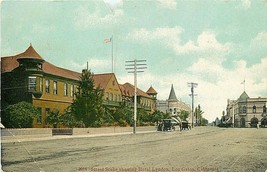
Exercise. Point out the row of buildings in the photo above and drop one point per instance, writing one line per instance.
(28, 77)
(244, 110)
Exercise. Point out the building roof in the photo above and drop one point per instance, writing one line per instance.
(58, 71)
(127, 89)
(151, 90)
(102, 80)
(10, 63)
(29, 53)
(172, 96)
(243, 97)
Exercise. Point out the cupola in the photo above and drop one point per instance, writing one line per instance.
(30, 60)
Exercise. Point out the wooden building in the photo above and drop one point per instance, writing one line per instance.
(28, 77)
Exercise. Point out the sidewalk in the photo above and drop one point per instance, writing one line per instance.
(11, 137)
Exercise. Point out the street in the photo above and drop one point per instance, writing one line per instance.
(199, 149)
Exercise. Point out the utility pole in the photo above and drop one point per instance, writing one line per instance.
(135, 66)
(192, 85)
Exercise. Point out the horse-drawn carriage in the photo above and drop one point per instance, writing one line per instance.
(264, 122)
(255, 123)
(166, 125)
(185, 125)
(170, 124)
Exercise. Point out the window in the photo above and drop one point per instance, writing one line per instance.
(115, 97)
(65, 89)
(240, 109)
(47, 86)
(41, 85)
(55, 87)
(71, 90)
(111, 97)
(32, 83)
(254, 109)
(39, 115)
(107, 96)
(264, 109)
(244, 109)
(47, 110)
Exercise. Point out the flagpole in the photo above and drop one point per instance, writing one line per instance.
(244, 85)
(112, 63)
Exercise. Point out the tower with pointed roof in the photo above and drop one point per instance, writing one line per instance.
(172, 104)
(172, 95)
(152, 93)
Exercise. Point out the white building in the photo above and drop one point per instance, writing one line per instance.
(242, 110)
(172, 105)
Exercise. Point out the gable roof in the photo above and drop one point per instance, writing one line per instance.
(243, 97)
(102, 80)
(172, 96)
(151, 90)
(127, 89)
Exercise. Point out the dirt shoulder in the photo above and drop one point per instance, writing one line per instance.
(200, 149)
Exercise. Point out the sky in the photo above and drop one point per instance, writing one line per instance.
(215, 43)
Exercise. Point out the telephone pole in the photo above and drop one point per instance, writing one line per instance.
(192, 85)
(135, 66)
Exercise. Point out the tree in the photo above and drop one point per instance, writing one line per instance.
(87, 107)
(142, 117)
(122, 116)
(159, 116)
(19, 115)
(54, 118)
(223, 117)
(204, 122)
(184, 115)
(198, 115)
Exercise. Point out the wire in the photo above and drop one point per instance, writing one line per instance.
(34, 160)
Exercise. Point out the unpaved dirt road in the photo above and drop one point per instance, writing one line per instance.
(200, 149)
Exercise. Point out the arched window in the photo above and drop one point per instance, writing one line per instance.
(254, 109)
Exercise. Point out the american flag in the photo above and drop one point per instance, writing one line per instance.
(107, 40)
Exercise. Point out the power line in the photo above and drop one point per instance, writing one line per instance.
(135, 66)
(192, 85)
